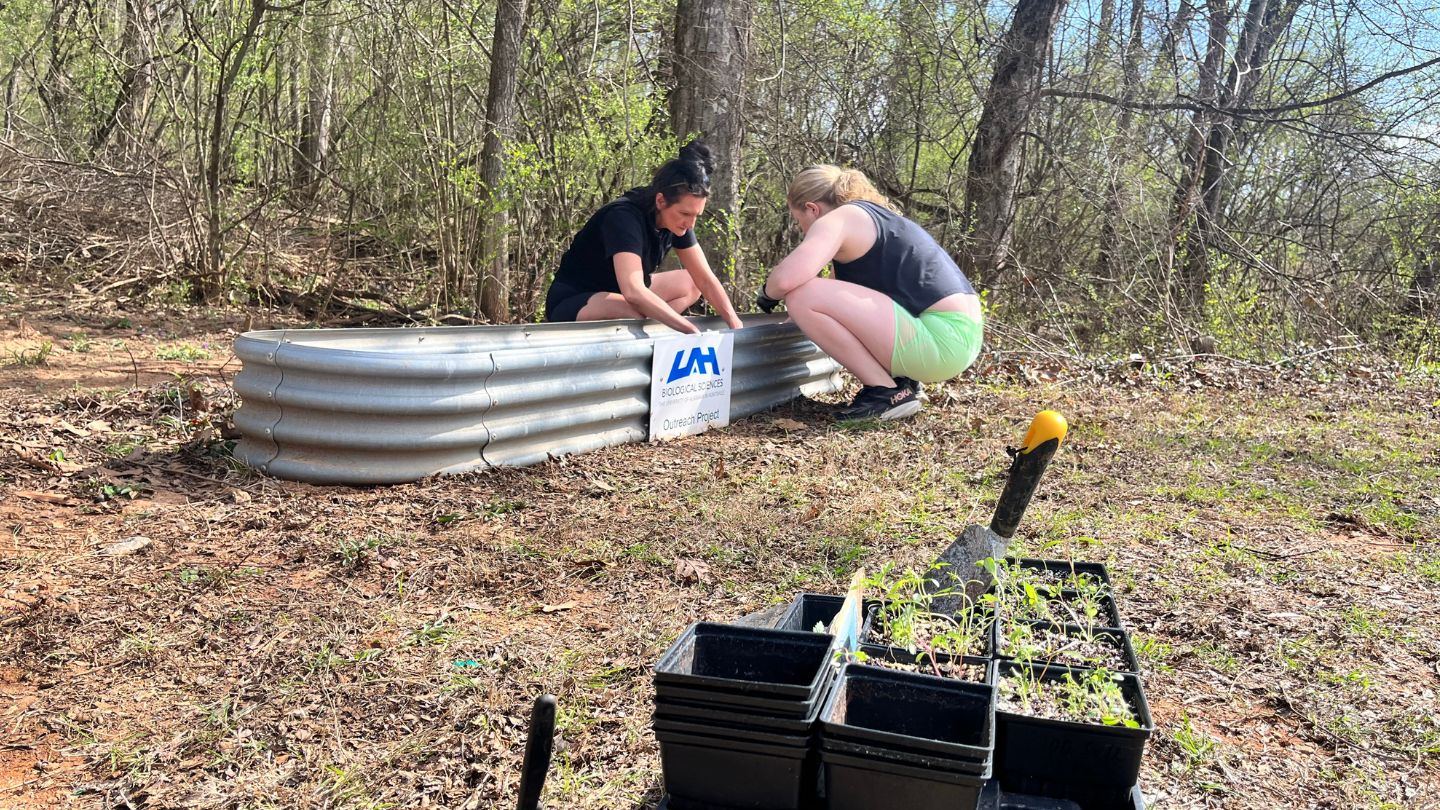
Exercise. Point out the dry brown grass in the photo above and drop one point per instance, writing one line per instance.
(1273, 537)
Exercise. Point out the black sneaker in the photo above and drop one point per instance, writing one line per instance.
(911, 382)
(879, 402)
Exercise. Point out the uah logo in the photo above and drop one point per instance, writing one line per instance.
(699, 360)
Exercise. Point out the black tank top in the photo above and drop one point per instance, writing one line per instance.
(905, 263)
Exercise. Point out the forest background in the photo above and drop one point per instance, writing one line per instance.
(1241, 177)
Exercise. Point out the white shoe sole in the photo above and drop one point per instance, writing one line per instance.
(901, 411)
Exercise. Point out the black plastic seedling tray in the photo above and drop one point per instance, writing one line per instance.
(1094, 765)
(1116, 636)
(915, 759)
(870, 630)
(705, 773)
(857, 783)
(810, 609)
(993, 798)
(904, 656)
(772, 707)
(1094, 569)
(940, 717)
(732, 732)
(749, 661)
(705, 713)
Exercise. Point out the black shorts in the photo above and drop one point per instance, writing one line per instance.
(563, 302)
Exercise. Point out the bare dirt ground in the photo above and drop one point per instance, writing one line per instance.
(176, 631)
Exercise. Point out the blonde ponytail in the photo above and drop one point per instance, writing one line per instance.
(833, 186)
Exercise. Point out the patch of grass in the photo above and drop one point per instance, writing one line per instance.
(215, 576)
(1152, 651)
(843, 555)
(79, 343)
(32, 357)
(128, 757)
(643, 552)
(433, 633)
(1216, 657)
(1196, 746)
(355, 553)
(124, 445)
(184, 352)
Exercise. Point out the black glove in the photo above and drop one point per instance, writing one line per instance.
(765, 302)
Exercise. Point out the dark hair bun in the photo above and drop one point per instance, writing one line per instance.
(697, 151)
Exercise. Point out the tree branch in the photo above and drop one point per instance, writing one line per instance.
(1192, 104)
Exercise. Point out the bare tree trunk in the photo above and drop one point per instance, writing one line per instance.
(232, 61)
(712, 57)
(1129, 81)
(1184, 284)
(126, 121)
(1203, 206)
(996, 155)
(510, 17)
(313, 148)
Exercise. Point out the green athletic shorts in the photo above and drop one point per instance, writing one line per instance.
(935, 346)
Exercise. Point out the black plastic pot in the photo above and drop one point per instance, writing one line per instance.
(870, 630)
(860, 783)
(909, 759)
(1109, 613)
(753, 662)
(906, 712)
(1094, 569)
(1110, 616)
(685, 711)
(1094, 765)
(1117, 638)
(712, 773)
(992, 798)
(875, 653)
(810, 609)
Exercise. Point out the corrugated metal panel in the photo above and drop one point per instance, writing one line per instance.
(378, 406)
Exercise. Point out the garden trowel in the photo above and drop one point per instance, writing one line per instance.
(962, 561)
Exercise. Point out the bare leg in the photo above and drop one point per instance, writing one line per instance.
(853, 324)
(604, 306)
(676, 288)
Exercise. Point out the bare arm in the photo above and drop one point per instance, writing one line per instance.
(694, 261)
(630, 275)
(806, 261)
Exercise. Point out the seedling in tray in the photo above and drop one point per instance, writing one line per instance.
(1072, 646)
(1025, 593)
(1081, 696)
(944, 666)
(904, 618)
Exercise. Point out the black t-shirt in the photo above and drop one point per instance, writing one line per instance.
(622, 226)
(905, 263)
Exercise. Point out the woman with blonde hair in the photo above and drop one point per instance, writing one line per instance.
(898, 311)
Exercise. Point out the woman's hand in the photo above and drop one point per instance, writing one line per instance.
(694, 261)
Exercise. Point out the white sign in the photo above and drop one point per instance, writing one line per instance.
(690, 384)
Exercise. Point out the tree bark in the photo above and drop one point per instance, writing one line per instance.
(1129, 81)
(1201, 207)
(510, 17)
(221, 133)
(711, 62)
(126, 122)
(996, 155)
(313, 147)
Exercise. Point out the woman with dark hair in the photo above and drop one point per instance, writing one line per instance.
(609, 269)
